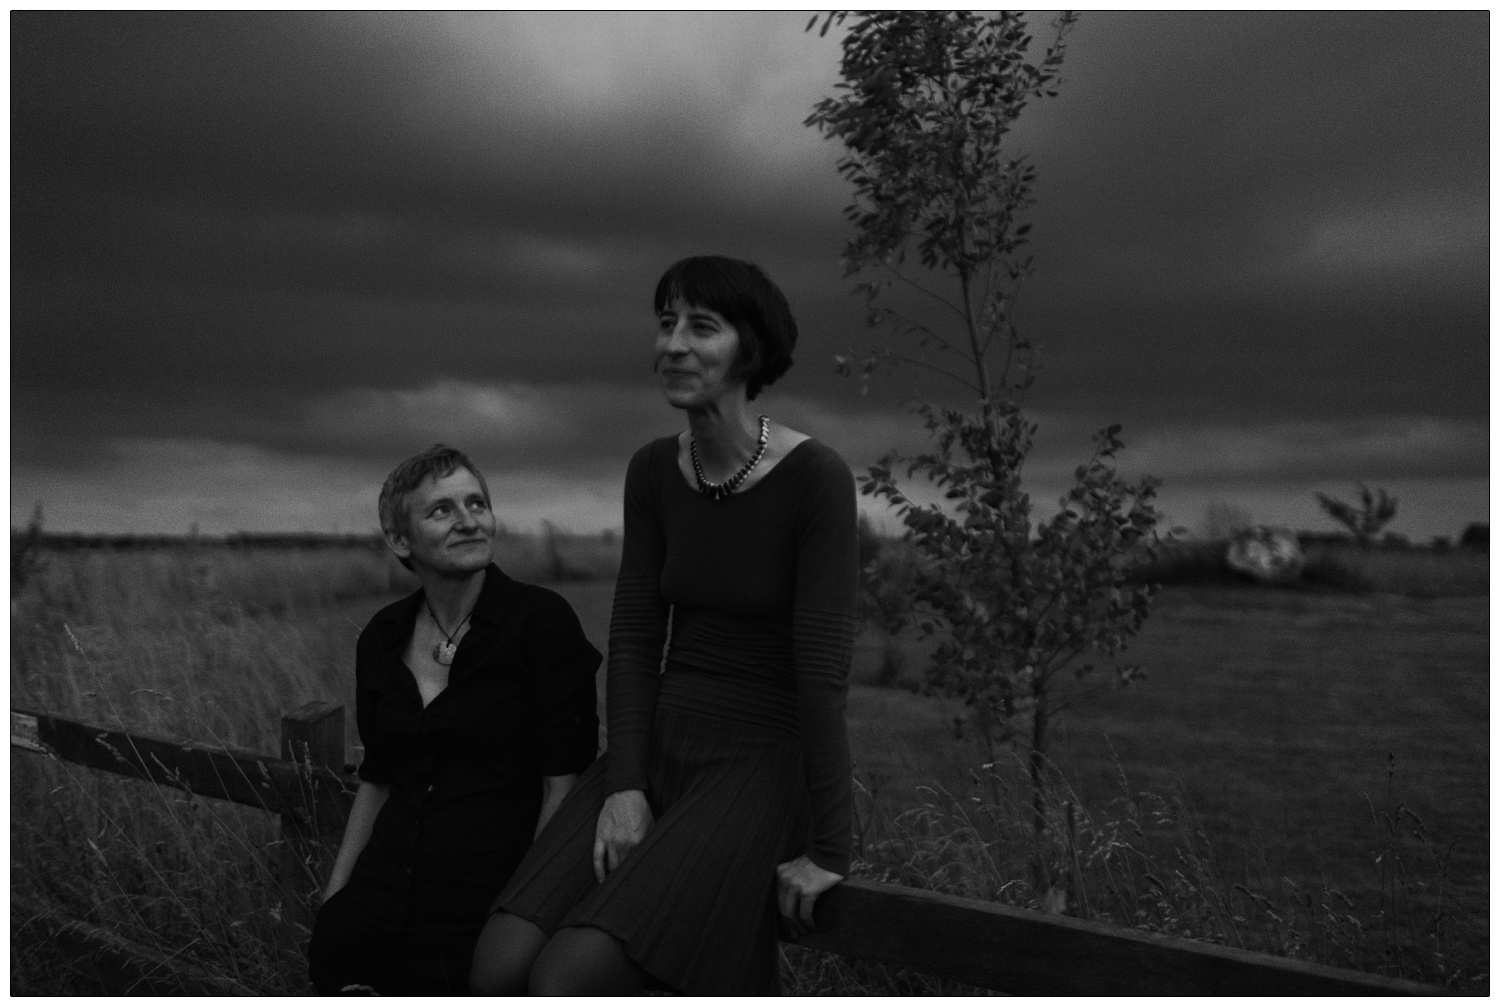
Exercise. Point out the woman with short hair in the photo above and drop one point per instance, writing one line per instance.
(475, 702)
(723, 799)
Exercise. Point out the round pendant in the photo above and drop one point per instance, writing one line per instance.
(443, 653)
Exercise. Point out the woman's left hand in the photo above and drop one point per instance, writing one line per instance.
(798, 884)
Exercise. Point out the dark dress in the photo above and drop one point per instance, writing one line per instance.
(737, 738)
(465, 783)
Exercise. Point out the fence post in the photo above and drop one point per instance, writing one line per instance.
(311, 736)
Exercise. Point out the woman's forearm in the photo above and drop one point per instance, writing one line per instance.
(368, 801)
(554, 789)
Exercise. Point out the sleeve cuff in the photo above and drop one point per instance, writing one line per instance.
(838, 864)
(373, 772)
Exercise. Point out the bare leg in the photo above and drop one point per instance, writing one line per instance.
(508, 945)
(586, 961)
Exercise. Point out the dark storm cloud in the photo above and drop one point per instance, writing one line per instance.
(256, 239)
(315, 201)
(1274, 214)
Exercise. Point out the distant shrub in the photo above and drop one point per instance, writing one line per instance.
(26, 551)
(1331, 563)
(1418, 573)
(887, 583)
(1476, 536)
(1222, 520)
(1184, 561)
(1364, 520)
(1336, 569)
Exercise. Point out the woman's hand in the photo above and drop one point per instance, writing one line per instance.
(798, 884)
(623, 822)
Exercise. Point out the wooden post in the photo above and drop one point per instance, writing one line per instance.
(313, 737)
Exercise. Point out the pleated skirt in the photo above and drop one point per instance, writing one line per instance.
(695, 903)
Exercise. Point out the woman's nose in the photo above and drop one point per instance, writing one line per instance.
(674, 340)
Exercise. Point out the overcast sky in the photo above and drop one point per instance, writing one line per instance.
(258, 258)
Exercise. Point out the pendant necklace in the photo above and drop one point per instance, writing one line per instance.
(718, 491)
(443, 652)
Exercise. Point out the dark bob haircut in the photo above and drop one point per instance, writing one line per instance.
(748, 300)
(437, 462)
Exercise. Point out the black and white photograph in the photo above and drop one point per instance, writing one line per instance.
(853, 503)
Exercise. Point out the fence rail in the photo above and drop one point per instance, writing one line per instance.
(965, 940)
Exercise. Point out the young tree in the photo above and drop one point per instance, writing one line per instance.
(925, 102)
(1374, 512)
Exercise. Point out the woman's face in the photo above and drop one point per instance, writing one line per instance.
(696, 350)
(452, 529)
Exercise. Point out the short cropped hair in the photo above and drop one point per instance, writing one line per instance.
(747, 299)
(437, 461)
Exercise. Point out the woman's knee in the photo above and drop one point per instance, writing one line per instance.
(503, 956)
(585, 961)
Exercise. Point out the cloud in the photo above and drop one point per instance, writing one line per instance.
(562, 425)
(1407, 234)
(345, 235)
(1367, 448)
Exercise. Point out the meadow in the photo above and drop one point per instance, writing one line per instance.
(1303, 771)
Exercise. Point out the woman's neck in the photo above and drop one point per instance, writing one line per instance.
(452, 598)
(725, 434)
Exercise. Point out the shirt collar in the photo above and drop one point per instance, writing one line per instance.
(494, 600)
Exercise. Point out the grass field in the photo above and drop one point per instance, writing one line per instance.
(1302, 772)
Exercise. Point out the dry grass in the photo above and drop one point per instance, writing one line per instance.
(216, 645)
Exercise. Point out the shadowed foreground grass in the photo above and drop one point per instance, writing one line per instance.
(1245, 793)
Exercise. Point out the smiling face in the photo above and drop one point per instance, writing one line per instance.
(450, 527)
(696, 353)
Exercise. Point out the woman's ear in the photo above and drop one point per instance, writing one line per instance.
(397, 543)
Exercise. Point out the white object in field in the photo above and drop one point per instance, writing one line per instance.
(1270, 555)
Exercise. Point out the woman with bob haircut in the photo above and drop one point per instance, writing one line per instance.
(475, 702)
(723, 798)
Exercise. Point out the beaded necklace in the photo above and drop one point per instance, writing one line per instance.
(718, 491)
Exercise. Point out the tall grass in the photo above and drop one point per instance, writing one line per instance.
(1144, 860)
(207, 643)
(216, 645)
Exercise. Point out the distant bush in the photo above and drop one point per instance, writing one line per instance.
(1364, 520)
(1333, 562)
(26, 551)
(1419, 573)
(887, 583)
(1185, 561)
(1476, 536)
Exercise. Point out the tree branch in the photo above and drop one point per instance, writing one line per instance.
(920, 288)
(903, 358)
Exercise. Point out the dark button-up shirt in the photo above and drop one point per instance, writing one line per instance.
(465, 772)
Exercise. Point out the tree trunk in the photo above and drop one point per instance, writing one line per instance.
(1041, 876)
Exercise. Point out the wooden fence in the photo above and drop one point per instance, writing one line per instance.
(966, 940)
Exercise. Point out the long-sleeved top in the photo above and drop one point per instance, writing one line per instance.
(760, 589)
(465, 772)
